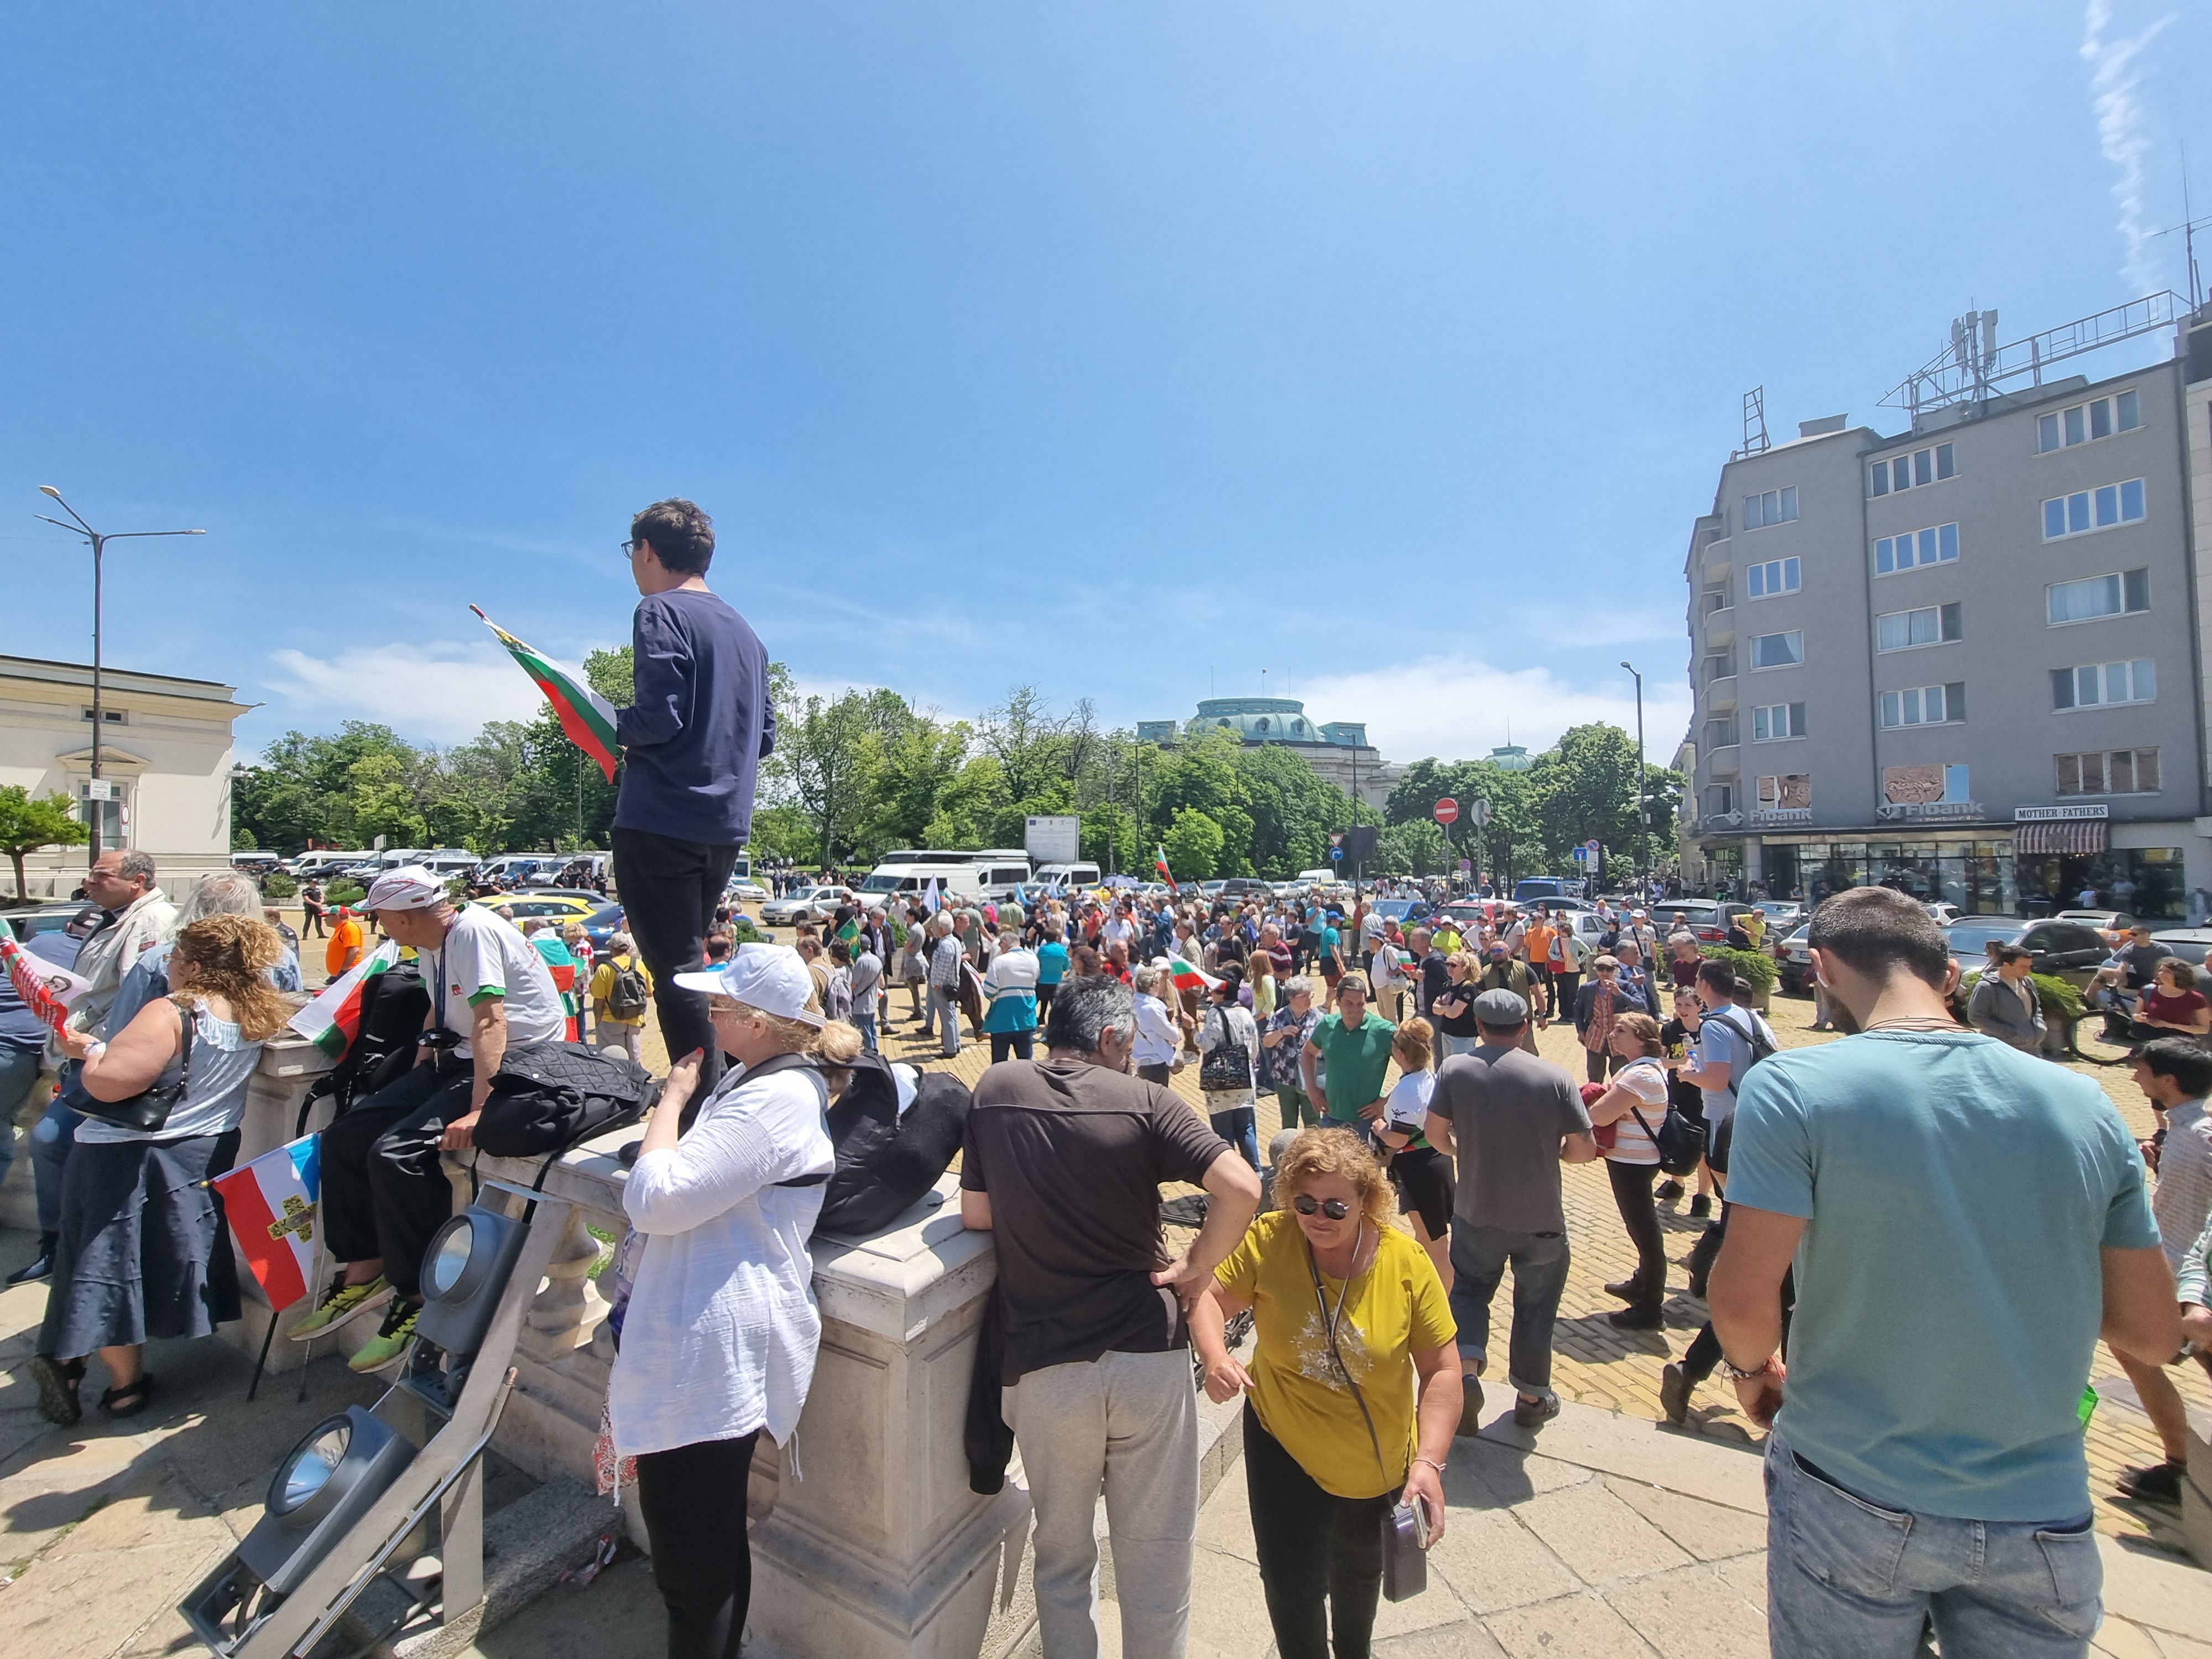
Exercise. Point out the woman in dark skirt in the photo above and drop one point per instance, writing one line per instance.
(142, 1249)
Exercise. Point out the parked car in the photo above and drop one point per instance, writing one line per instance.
(1703, 916)
(602, 925)
(1945, 912)
(744, 889)
(2189, 943)
(1406, 913)
(1793, 963)
(1212, 890)
(1782, 914)
(2110, 921)
(559, 907)
(32, 917)
(807, 905)
(1239, 888)
(2068, 949)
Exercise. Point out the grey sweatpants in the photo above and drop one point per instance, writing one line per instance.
(1129, 1421)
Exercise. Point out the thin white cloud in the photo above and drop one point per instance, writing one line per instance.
(2112, 84)
(441, 692)
(1456, 708)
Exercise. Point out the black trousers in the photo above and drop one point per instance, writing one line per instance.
(1020, 1044)
(694, 1502)
(1321, 1556)
(669, 891)
(1161, 1074)
(1704, 1354)
(1631, 1196)
(310, 926)
(1565, 981)
(384, 1190)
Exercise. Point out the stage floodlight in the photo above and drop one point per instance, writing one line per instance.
(325, 1484)
(464, 1271)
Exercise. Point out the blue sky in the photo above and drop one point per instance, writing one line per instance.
(1129, 349)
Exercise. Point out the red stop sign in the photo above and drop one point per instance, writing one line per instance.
(1447, 811)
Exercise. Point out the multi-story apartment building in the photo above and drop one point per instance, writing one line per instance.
(1966, 659)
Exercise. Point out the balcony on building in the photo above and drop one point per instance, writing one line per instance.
(1719, 562)
(1723, 763)
(1720, 692)
(1720, 628)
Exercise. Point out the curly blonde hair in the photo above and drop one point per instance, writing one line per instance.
(1337, 1152)
(230, 956)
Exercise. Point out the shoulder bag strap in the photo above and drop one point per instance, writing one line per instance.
(1329, 1326)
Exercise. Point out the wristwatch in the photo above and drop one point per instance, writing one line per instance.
(1765, 1368)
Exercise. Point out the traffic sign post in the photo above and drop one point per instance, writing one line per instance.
(1336, 855)
(1447, 811)
(1482, 814)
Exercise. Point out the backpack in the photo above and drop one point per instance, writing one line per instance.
(886, 1162)
(547, 1097)
(394, 1006)
(1755, 1039)
(626, 994)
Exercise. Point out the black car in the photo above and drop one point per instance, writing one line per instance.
(2071, 950)
(1238, 889)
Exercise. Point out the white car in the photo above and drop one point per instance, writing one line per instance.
(745, 891)
(1944, 912)
(808, 904)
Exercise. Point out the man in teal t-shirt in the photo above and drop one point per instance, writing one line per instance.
(1353, 1049)
(1964, 1219)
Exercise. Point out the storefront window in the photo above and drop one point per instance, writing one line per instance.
(1975, 876)
(2144, 881)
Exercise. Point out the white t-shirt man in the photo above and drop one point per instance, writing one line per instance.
(484, 956)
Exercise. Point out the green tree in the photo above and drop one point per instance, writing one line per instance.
(828, 758)
(1193, 844)
(27, 824)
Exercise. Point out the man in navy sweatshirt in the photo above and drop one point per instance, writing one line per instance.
(692, 745)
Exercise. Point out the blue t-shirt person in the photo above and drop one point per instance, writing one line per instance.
(1949, 1285)
(1052, 962)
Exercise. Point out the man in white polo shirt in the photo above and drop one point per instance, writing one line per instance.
(384, 1191)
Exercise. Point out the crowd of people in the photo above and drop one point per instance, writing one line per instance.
(1934, 1226)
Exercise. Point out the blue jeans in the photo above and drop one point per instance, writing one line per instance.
(51, 1138)
(867, 1023)
(1848, 1578)
(1237, 1126)
(1478, 1256)
(19, 1071)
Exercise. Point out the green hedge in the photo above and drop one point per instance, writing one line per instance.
(742, 932)
(278, 886)
(1755, 966)
(344, 892)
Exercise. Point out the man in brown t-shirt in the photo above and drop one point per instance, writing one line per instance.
(1063, 1160)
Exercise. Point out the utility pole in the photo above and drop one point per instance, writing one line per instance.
(1643, 804)
(95, 800)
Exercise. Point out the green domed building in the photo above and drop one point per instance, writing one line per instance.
(1337, 750)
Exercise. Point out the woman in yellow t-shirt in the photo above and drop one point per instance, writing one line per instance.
(1354, 1390)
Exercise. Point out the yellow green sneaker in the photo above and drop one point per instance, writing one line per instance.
(340, 1303)
(391, 1337)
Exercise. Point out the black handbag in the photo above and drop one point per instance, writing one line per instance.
(1404, 1528)
(1680, 1141)
(1227, 1066)
(149, 1110)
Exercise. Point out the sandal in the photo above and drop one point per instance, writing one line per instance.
(57, 1401)
(129, 1399)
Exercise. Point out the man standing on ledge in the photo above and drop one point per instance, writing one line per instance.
(692, 745)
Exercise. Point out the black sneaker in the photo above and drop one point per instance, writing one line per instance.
(39, 1266)
(1668, 1191)
(2153, 1483)
(1701, 1206)
(1470, 1405)
(1534, 1413)
(1637, 1319)
(1674, 1394)
(1626, 1290)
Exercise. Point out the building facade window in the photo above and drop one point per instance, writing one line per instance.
(2096, 684)
(2114, 594)
(2109, 772)
(1929, 624)
(1719, 666)
(2086, 510)
(1915, 471)
(1769, 507)
(1720, 799)
(1776, 720)
(1925, 705)
(1779, 650)
(108, 716)
(1720, 735)
(106, 817)
(1763, 581)
(2087, 423)
(1939, 544)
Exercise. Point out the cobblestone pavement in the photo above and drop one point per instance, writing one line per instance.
(1599, 1365)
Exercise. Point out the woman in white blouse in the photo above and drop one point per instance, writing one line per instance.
(1633, 1108)
(1158, 1038)
(719, 1340)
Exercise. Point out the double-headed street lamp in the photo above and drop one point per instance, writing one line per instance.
(1643, 803)
(99, 546)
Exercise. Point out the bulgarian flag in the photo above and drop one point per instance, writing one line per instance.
(1188, 976)
(1160, 864)
(332, 1020)
(271, 1205)
(586, 716)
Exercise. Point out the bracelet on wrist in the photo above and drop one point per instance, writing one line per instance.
(1737, 1374)
(1431, 1461)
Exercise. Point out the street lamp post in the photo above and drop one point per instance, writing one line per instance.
(1642, 800)
(99, 546)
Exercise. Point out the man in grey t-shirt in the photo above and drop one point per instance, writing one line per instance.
(1511, 1119)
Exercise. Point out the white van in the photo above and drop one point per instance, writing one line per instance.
(1072, 877)
(991, 873)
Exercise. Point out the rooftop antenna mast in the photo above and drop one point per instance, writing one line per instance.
(1754, 432)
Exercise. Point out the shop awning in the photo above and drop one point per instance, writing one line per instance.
(2068, 835)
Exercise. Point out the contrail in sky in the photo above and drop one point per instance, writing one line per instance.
(2112, 83)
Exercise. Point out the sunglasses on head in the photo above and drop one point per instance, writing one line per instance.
(1335, 1208)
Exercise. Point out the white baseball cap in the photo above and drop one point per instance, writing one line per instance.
(772, 978)
(411, 887)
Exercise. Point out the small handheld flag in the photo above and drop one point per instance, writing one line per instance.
(1160, 864)
(332, 1020)
(584, 716)
(271, 1204)
(929, 899)
(47, 989)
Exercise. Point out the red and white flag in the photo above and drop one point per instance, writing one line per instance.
(1160, 864)
(270, 1203)
(332, 1020)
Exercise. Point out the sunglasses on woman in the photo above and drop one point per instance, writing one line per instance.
(1334, 1208)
